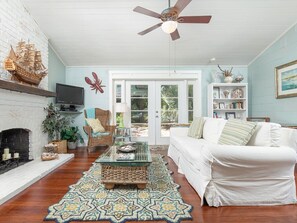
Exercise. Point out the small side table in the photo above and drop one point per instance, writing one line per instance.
(122, 134)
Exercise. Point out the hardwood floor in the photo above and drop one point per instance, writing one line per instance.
(31, 205)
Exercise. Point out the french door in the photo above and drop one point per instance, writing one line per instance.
(154, 107)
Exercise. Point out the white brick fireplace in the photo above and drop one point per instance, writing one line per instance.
(24, 111)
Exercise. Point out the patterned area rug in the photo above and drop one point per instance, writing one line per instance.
(88, 200)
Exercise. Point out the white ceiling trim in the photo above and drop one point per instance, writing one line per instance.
(57, 54)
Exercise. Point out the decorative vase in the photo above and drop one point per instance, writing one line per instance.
(228, 79)
(226, 93)
(72, 145)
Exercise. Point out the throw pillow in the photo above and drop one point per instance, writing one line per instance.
(95, 125)
(237, 132)
(266, 134)
(196, 128)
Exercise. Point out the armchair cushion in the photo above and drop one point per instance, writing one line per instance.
(100, 134)
(95, 125)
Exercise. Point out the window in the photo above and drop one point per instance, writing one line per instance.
(190, 102)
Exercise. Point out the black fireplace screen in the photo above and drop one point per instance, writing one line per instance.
(14, 148)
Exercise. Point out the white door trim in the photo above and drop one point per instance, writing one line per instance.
(158, 75)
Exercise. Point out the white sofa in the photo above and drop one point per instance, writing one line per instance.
(261, 173)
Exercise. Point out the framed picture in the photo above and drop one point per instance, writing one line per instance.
(222, 105)
(230, 115)
(286, 80)
(216, 92)
(258, 119)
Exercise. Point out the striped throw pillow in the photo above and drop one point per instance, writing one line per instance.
(237, 132)
(196, 128)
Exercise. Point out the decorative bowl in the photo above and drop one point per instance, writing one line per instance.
(126, 149)
(239, 78)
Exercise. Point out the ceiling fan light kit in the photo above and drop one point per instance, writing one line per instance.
(170, 18)
(169, 26)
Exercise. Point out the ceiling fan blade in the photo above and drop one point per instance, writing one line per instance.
(150, 29)
(147, 12)
(181, 4)
(175, 35)
(194, 19)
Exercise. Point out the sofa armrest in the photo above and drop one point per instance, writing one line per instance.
(179, 131)
(289, 138)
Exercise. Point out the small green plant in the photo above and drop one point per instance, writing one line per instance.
(72, 134)
(54, 122)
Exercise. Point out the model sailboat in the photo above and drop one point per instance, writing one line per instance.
(25, 64)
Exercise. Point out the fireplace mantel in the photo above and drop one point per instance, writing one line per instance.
(25, 89)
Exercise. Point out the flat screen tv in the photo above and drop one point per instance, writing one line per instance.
(69, 95)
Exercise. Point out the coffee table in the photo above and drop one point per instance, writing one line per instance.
(134, 171)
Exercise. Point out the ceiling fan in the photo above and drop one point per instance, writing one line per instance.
(170, 17)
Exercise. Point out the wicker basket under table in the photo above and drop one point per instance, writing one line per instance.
(112, 175)
(125, 172)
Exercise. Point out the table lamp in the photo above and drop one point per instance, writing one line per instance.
(121, 108)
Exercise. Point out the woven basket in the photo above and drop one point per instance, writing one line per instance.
(124, 174)
(61, 146)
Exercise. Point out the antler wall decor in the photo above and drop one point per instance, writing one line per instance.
(96, 84)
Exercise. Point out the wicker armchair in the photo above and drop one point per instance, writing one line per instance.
(104, 117)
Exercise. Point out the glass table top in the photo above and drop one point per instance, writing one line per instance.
(140, 157)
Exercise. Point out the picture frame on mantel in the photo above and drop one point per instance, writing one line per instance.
(286, 80)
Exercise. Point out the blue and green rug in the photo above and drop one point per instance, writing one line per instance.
(88, 200)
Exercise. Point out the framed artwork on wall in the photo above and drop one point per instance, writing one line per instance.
(286, 80)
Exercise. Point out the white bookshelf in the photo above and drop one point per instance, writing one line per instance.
(228, 100)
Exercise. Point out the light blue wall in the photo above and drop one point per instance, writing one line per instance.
(76, 76)
(262, 81)
(56, 70)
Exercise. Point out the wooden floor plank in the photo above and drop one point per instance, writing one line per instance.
(31, 205)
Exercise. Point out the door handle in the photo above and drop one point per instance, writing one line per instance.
(157, 116)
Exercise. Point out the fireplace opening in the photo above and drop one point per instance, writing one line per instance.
(14, 148)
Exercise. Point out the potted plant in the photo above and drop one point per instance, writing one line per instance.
(53, 124)
(72, 135)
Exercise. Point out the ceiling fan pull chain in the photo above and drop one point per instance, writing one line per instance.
(169, 51)
(174, 57)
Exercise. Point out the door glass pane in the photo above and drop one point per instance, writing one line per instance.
(139, 91)
(139, 104)
(169, 108)
(139, 110)
(190, 116)
(118, 93)
(190, 103)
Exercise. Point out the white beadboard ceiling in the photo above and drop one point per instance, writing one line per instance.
(104, 32)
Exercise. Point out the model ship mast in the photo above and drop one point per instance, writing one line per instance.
(25, 64)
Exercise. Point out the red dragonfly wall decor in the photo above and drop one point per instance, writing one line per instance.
(96, 84)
